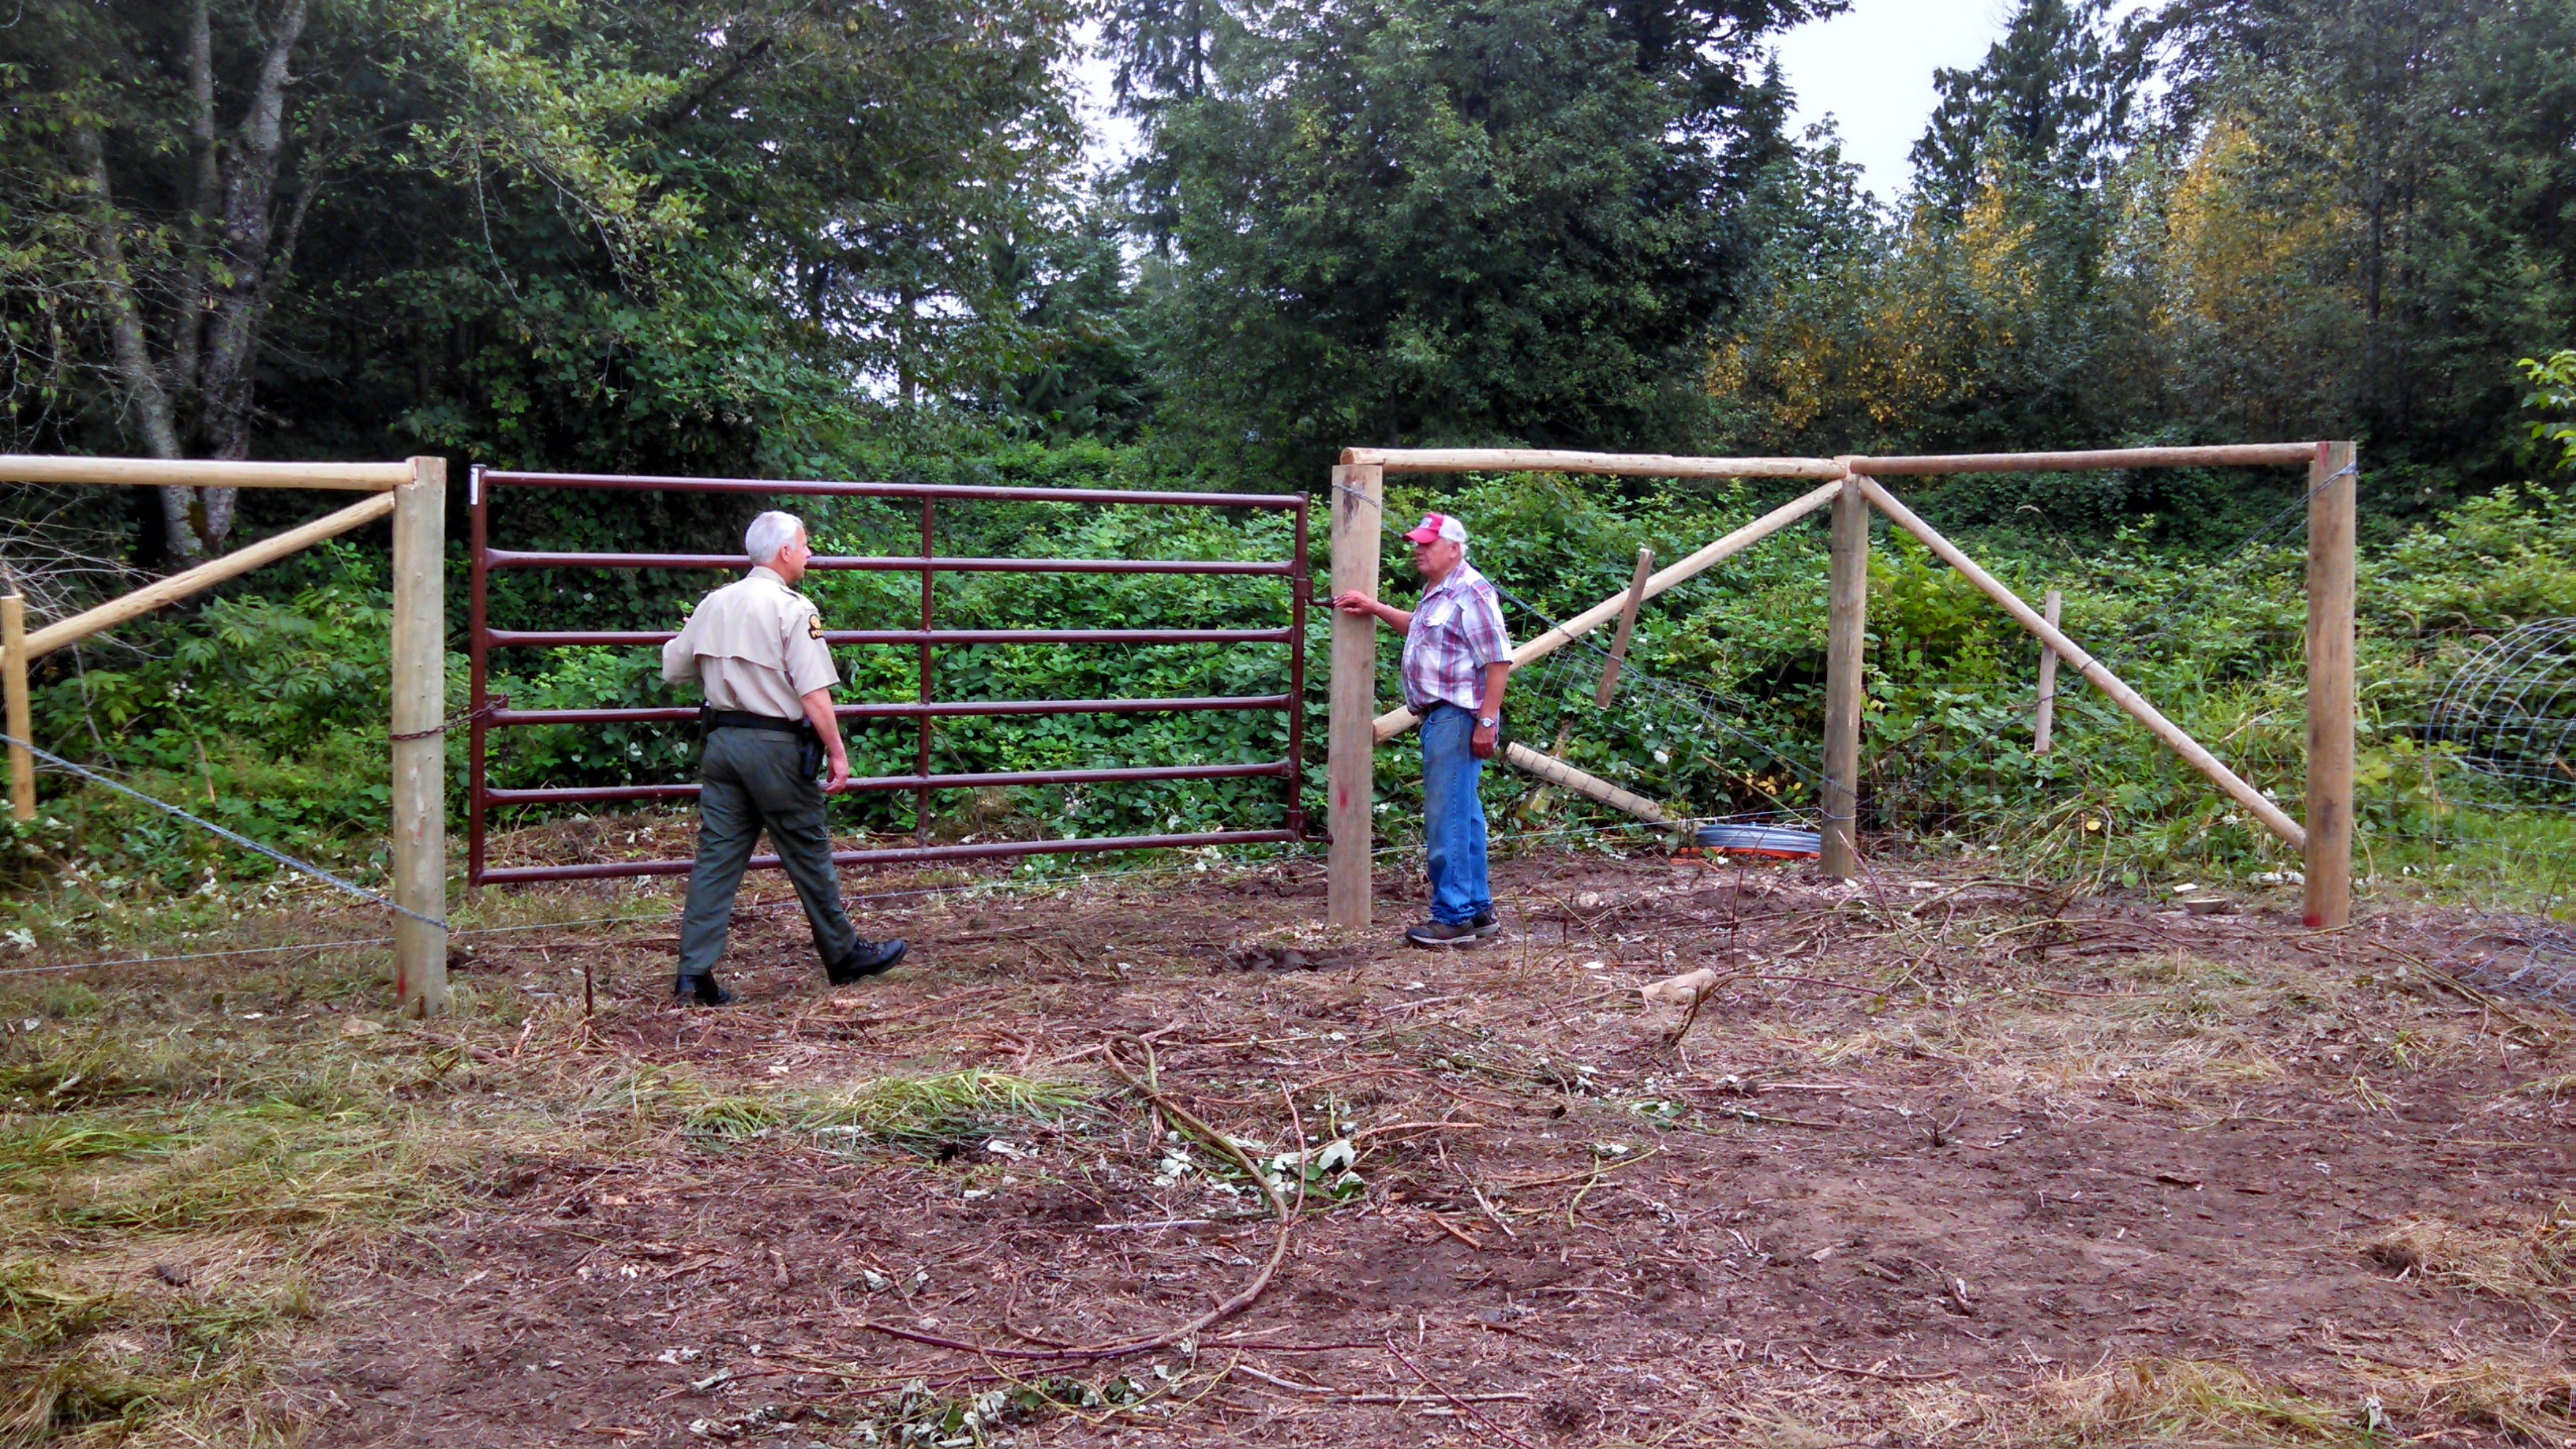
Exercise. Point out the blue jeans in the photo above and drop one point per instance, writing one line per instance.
(1453, 819)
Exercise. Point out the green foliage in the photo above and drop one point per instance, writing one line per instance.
(2206, 223)
(2553, 396)
(265, 715)
(1406, 222)
(540, 231)
(2217, 645)
(2050, 104)
(775, 239)
(266, 712)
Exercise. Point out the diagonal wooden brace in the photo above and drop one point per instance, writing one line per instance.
(2100, 678)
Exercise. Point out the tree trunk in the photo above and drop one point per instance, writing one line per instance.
(239, 298)
(132, 349)
(188, 307)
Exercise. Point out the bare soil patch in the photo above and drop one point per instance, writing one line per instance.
(1932, 1169)
(1940, 1159)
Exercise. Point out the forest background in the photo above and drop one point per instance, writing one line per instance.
(846, 238)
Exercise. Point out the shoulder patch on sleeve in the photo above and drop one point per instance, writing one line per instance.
(813, 626)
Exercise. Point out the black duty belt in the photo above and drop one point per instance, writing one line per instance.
(718, 719)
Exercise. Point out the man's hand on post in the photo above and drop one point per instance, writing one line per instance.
(1355, 602)
(836, 775)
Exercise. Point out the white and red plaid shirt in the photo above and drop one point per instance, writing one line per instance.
(1457, 631)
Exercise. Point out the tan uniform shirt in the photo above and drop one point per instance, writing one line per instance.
(757, 645)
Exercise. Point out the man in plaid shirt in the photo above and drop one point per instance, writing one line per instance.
(1457, 658)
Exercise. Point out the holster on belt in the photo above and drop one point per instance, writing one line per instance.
(810, 756)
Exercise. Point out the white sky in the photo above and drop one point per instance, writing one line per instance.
(1869, 68)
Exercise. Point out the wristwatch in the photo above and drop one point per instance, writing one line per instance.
(1485, 722)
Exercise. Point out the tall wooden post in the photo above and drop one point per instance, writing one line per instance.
(420, 763)
(13, 662)
(2332, 517)
(2044, 718)
(1846, 634)
(1359, 497)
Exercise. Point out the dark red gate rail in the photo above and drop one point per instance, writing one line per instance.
(482, 639)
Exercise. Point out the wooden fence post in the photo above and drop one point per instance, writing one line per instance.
(13, 661)
(2332, 518)
(1846, 635)
(1359, 499)
(2045, 716)
(420, 763)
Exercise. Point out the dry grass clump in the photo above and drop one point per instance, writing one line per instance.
(2552, 1089)
(183, 1158)
(82, 1363)
(930, 1115)
(2185, 1401)
(2195, 1401)
(2526, 1264)
(2523, 1402)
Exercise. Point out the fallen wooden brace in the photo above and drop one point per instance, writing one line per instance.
(1592, 787)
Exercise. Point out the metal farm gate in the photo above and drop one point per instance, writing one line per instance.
(926, 638)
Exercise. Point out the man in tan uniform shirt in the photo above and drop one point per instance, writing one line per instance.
(756, 646)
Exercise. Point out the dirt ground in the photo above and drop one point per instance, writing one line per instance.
(1935, 1169)
(1939, 1159)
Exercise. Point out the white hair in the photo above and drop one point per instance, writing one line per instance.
(769, 533)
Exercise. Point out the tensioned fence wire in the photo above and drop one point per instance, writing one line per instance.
(2506, 720)
(56, 762)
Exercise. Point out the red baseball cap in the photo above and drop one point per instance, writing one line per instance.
(1438, 525)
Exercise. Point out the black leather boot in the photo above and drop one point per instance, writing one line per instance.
(866, 959)
(700, 991)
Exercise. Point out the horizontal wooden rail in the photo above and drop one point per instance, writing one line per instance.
(202, 473)
(1690, 566)
(204, 576)
(1645, 465)
(2231, 455)
(2085, 664)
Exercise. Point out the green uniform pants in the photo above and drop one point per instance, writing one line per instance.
(751, 780)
